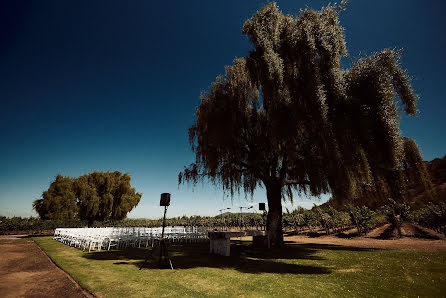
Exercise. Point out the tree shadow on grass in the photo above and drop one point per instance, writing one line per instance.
(388, 233)
(346, 235)
(35, 235)
(422, 234)
(417, 233)
(315, 234)
(244, 258)
(318, 246)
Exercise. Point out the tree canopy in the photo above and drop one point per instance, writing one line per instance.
(94, 196)
(288, 117)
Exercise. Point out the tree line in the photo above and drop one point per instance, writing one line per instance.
(299, 220)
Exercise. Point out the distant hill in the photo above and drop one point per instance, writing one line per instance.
(437, 171)
(416, 197)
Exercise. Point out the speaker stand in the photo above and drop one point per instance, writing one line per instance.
(164, 260)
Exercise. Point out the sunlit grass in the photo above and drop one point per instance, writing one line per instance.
(296, 270)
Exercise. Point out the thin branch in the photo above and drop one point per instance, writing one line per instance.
(284, 167)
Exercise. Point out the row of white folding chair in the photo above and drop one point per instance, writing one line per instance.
(105, 237)
(99, 238)
(82, 237)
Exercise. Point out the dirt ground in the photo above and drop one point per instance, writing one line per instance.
(26, 271)
(366, 242)
(384, 237)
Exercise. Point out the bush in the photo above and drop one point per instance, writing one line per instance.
(378, 219)
(396, 213)
(16, 224)
(361, 217)
(432, 216)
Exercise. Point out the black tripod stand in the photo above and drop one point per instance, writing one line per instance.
(164, 260)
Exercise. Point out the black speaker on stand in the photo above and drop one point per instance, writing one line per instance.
(164, 260)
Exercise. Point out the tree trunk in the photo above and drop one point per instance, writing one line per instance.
(398, 228)
(274, 218)
(396, 223)
(356, 224)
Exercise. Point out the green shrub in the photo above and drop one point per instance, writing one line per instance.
(432, 216)
(397, 213)
(361, 217)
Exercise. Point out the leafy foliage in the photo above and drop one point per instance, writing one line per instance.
(432, 216)
(361, 217)
(59, 201)
(34, 224)
(339, 219)
(397, 213)
(94, 196)
(288, 117)
(228, 221)
(301, 220)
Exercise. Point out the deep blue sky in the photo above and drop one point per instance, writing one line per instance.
(113, 85)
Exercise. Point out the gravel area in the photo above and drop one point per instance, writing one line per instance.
(26, 271)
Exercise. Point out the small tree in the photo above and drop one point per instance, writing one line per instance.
(339, 219)
(432, 216)
(361, 218)
(298, 218)
(309, 219)
(324, 219)
(396, 213)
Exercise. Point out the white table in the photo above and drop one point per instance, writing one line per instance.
(220, 241)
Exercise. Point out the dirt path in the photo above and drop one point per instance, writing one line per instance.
(383, 237)
(26, 271)
(365, 242)
(378, 232)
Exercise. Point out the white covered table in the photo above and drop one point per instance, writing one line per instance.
(220, 241)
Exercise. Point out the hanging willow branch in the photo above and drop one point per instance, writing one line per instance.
(287, 114)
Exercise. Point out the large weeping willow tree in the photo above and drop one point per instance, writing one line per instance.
(287, 117)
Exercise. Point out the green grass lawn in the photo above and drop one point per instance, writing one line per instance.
(295, 270)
